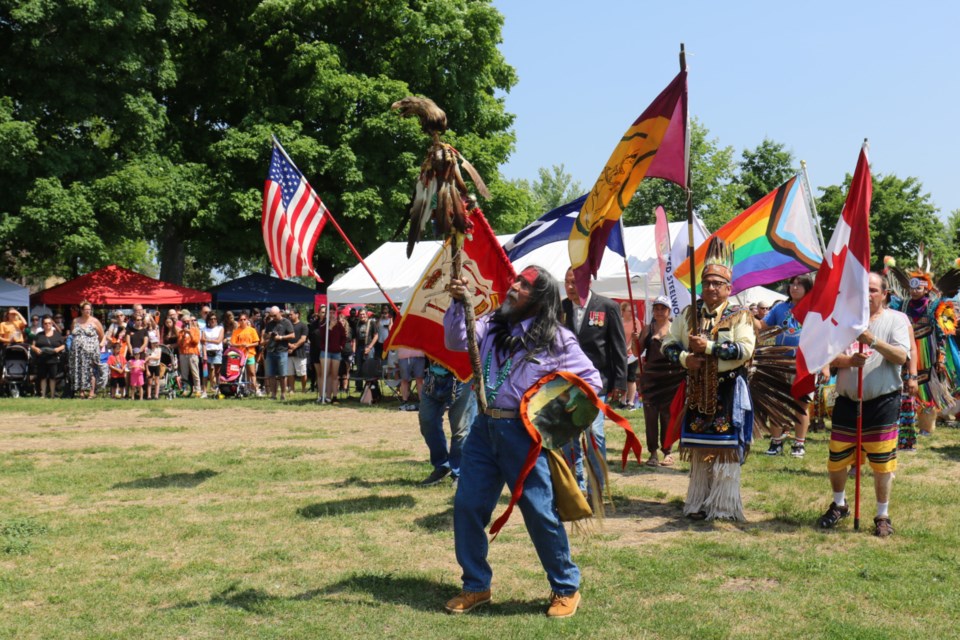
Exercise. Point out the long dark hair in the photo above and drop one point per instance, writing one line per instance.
(542, 334)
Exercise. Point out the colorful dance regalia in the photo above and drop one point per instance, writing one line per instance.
(719, 414)
(717, 425)
(938, 359)
(934, 330)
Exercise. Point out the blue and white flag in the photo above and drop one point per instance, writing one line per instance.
(555, 226)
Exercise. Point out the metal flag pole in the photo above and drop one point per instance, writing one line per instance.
(326, 342)
(813, 205)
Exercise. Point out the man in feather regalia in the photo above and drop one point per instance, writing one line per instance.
(714, 340)
(931, 315)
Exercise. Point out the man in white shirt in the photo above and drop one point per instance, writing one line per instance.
(880, 351)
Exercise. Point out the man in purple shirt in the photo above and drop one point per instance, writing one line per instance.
(520, 343)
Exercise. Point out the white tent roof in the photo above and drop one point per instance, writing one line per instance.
(611, 277)
(13, 295)
(398, 275)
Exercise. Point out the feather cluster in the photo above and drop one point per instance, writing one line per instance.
(770, 373)
(440, 194)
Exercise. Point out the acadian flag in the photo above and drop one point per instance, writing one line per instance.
(654, 146)
(837, 309)
(489, 275)
(773, 240)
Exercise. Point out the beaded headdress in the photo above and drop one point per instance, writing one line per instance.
(719, 260)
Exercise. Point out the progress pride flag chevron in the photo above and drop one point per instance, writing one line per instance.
(293, 217)
(837, 309)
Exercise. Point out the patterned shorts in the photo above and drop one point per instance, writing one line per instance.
(881, 419)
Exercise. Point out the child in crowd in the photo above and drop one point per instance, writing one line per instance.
(118, 370)
(137, 366)
(153, 370)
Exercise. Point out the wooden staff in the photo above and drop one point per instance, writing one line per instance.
(473, 350)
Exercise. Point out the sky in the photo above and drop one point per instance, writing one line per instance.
(818, 77)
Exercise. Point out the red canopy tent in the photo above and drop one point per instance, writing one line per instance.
(113, 285)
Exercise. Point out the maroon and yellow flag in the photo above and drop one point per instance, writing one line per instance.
(655, 146)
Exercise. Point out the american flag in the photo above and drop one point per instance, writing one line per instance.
(293, 217)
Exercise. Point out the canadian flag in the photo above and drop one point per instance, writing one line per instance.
(837, 309)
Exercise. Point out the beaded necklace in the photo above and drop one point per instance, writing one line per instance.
(493, 389)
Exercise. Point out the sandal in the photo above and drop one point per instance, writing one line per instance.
(652, 462)
(667, 461)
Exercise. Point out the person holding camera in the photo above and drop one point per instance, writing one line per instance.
(188, 344)
(277, 335)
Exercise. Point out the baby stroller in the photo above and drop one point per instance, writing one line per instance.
(16, 368)
(170, 384)
(233, 377)
(371, 371)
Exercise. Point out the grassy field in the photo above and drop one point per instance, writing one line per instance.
(252, 519)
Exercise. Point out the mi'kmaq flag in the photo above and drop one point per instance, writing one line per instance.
(837, 309)
(489, 275)
(293, 217)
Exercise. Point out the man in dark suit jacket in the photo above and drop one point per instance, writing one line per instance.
(598, 325)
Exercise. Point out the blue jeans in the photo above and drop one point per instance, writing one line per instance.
(573, 450)
(493, 455)
(275, 363)
(439, 394)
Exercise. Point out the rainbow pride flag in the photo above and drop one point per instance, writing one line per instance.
(773, 240)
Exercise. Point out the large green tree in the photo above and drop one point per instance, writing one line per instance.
(763, 169)
(151, 121)
(901, 217)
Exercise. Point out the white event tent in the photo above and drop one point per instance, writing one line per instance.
(399, 275)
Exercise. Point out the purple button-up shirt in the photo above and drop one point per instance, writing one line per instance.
(524, 373)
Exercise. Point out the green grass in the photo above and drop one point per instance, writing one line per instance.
(259, 520)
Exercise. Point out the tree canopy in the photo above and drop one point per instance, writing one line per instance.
(150, 121)
(901, 217)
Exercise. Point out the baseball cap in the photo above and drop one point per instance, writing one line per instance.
(662, 300)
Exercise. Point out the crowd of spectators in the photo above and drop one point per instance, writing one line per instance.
(121, 354)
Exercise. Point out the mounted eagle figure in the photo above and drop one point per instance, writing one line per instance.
(440, 193)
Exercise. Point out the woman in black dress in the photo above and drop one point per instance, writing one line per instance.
(47, 347)
(659, 382)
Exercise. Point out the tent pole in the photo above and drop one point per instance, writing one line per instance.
(322, 384)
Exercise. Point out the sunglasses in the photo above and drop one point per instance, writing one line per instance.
(713, 284)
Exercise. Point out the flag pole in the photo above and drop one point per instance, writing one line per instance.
(691, 247)
(626, 270)
(343, 235)
(856, 507)
(813, 205)
(856, 504)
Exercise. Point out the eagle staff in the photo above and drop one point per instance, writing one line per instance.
(441, 195)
